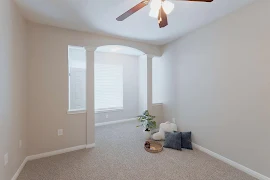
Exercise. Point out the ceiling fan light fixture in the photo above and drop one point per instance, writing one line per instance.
(155, 5)
(159, 9)
(168, 6)
(153, 13)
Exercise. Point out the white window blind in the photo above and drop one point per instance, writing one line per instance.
(108, 87)
(77, 89)
(77, 78)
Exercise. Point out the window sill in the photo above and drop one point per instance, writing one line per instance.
(78, 111)
(83, 111)
(108, 110)
(157, 104)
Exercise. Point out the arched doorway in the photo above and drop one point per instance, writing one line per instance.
(146, 60)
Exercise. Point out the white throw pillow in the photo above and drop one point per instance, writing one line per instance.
(164, 127)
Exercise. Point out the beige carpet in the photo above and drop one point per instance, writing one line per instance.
(119, 155)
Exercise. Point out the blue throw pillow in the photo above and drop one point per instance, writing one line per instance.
(173, 140)
(186, 140)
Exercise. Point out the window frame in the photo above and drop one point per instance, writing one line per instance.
(81, 110)
(98, 111)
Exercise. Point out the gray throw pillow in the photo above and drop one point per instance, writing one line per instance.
(173, 140)
(186, 140)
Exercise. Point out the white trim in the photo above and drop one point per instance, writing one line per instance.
(88, 146)
(52, 153)
(108, 110)
(76, 47)
(157, 104)
(232, 163)
(16, 175)
(82, 111)
(48, 154)
(115, 122)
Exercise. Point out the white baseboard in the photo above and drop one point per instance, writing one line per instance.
(88, 146)
(115, 122)
(48, 154)
(232, 163)
(16, 175)
(52, 153)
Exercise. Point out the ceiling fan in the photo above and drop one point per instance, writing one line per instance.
(159, 9)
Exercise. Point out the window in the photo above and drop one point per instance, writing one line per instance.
(108, 87)
(77, 78)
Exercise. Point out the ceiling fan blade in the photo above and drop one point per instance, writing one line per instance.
(133, 10)
(162, 18)
(197, 0)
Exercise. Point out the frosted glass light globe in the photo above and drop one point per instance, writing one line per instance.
(153, 13)
(155, 4)
(168, 6)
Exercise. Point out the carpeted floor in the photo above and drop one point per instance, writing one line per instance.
(119, 155)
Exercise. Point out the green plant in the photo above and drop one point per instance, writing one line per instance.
(147, 121)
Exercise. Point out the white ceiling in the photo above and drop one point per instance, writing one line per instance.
(98, 16)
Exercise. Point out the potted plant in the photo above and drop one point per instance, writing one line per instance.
(147, 121)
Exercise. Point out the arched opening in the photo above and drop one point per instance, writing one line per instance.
(139, 73)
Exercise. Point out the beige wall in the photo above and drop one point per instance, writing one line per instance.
(48, 86)
(164, 84)
(13, 85)
(222, 77)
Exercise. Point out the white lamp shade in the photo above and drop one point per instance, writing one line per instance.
(153, 13)
(168, 6)
(155, 5)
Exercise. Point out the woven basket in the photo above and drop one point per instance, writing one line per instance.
(155, 147)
